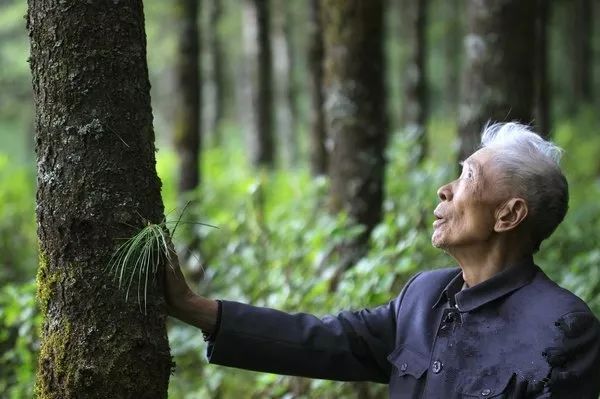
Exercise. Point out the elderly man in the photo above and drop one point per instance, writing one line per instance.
(496, 327)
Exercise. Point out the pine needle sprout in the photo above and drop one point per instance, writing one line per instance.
(138, 259)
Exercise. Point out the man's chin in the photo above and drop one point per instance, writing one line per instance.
(437, 242)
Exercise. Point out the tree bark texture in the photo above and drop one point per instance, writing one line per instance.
(414, 13)
(542, 83)
(96, 177)
(318, 136)
(187, 118)
(355, 106)
(258, 43)
(499, 67)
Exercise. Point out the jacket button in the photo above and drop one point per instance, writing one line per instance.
(403, 367)
(436, 367)
(486, 392)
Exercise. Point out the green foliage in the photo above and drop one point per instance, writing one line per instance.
(19, 323)
(17, 222)
(19, 316)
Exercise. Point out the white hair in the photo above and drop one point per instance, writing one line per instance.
(530, 165)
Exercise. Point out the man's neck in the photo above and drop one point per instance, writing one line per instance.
(480, 264)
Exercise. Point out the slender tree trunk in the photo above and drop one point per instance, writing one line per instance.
(188, 136)
(415, 75)
(187, 119)
(284, 83)
(355, 109)
(96, 178)
(499, 67)
(542, 90)
(218, 72)
(259, 64)
(582, 50)
(292, 87)
(452, 52)
(318, 152)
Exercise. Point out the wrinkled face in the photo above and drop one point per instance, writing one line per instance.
(465, 215)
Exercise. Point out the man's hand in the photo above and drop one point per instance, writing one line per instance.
(183, 303)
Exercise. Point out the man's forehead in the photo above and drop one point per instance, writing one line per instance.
(478, 159)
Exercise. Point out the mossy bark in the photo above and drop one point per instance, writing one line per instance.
(499, 67)
(96, 179)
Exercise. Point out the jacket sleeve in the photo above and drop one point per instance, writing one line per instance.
(575, 361)
(352, 346)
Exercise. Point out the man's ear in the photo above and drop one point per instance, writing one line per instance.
(510, 214)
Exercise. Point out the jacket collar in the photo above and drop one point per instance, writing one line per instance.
(510, 279)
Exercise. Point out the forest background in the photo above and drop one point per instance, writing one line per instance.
(279, 241)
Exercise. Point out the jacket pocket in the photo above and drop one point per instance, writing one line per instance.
(484, 385)
(408, 362)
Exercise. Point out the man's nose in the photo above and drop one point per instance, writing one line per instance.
(445, 192)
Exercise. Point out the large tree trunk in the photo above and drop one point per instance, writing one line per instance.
(318, 152)
(258, 52)
(415, 111)
(542, 89)
(355, 109)
(187, 119)
(96, 178)
(499, 67)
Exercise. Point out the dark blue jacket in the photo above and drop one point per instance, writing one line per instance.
(516, 335)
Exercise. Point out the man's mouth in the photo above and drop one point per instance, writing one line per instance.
(439, 219)
(438, 223)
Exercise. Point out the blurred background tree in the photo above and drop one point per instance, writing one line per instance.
(301, 105)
